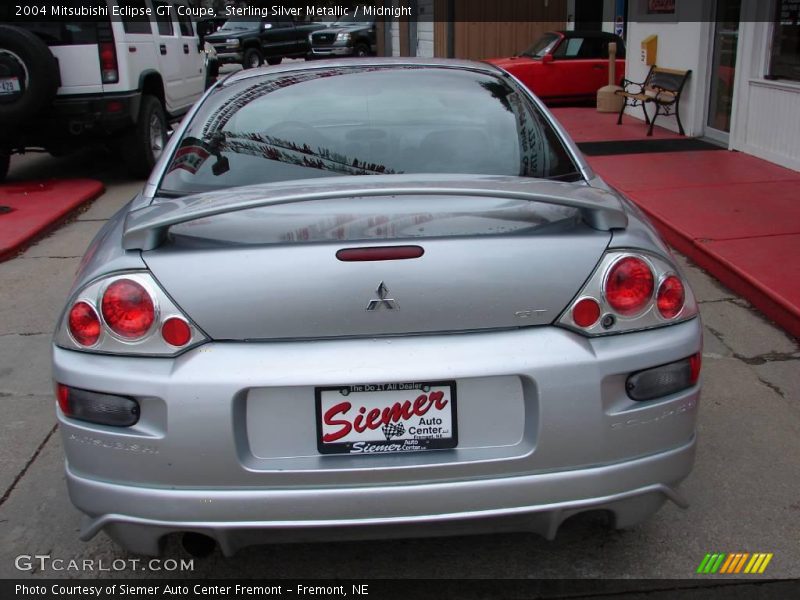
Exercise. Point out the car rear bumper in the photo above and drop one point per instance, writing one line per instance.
(138, 518)
(78, 116)
(227, 442)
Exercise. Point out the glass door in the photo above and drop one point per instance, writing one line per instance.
(723, 69)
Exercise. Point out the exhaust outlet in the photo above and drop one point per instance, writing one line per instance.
(198, 545)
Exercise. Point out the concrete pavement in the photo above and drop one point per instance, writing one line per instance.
(743, 491)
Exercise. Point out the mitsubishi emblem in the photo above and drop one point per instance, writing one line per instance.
(382, 301)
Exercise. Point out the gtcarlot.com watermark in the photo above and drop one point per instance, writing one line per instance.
(45, 562)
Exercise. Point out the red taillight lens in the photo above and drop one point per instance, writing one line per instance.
(176, 331)
(670, 297)
(629, 286)
(695, 363)
(379, 253)
(586, 312)
(128, 309)
(84, 324)
(62, 393)
(663, 381)
(108, 62)
(97, 407)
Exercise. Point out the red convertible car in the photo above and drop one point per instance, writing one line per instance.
(566, 66)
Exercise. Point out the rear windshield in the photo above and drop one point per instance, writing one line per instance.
(364, 121)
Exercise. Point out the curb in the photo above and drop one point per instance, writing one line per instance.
(38, 208)
(775, 307)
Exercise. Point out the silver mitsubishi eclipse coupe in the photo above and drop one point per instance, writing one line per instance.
(371, 299)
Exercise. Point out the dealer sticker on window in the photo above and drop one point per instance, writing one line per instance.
(386, 418)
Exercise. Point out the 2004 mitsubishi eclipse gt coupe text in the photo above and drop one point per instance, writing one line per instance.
(373, 298)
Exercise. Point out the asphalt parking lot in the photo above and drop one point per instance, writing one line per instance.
(743, 490)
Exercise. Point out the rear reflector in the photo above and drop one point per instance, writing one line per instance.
(62, 393)
(664, 380)
(176, 332)
(94, 407)
(586, 312)
(696, 363)
(380, 253)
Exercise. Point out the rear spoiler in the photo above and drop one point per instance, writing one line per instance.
(146, 228)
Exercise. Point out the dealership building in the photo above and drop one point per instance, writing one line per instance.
(744, 89)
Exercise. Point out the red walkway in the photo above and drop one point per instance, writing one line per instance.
(30, 209)
(735, 215)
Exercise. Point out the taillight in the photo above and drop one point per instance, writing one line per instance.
(128, 309)
(621, 295)
(97, 407)
(586, 312)
(126, 313)
(176, 332)
(695, 363)
(664, 380)
(379, 253)
(84, 324)
(62, 393)
(670, 297)
(629, 286)
(108, 62)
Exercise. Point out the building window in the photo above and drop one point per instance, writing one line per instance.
(785, 59)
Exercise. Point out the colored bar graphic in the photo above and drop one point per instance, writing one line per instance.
(703, 563)
(718, 563)
(765, 563)
(709, 568)
(727, 564)
(735, 562)
(740, 564)
(754, 563)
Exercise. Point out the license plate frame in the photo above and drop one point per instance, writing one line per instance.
(385, 438)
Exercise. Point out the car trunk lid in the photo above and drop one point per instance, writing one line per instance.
(276, 271)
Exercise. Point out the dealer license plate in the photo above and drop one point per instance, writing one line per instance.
(386, 418)
(9, 85)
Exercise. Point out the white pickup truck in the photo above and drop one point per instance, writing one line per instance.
(119, 79)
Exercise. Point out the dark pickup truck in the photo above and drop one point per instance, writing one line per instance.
(254, 41)
(346, 37)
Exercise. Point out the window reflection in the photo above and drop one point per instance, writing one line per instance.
(363, 121)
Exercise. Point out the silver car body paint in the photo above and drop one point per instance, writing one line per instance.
(227, 441)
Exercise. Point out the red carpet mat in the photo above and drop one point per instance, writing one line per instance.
(734, 215)
(28, 210)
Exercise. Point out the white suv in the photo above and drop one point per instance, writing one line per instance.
(122, 79)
